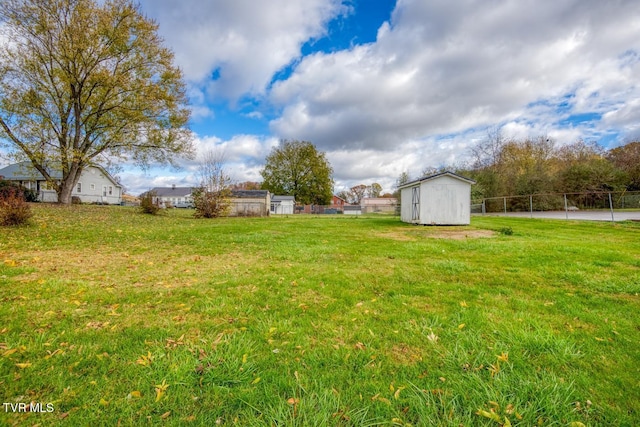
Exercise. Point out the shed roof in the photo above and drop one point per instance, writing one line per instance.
(249, 194)
(352, 207)
(435, 176)
(282, 198)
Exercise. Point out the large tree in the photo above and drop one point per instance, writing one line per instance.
(87, 81)
(297, 168)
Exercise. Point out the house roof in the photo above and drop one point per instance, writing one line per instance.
(379, 201)
(282, 198)
(352, 207)
(435, 176)
(24, 171)
(249, 194)
(172, 191)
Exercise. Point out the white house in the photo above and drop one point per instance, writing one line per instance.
(173, 196)
(94, 186)
(282, 205)
(440, 199)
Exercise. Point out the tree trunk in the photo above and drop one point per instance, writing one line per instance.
(65, 191)
(68, 183)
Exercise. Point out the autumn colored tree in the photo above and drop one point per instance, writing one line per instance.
(297, 168)
(87, 81)
(627, 159)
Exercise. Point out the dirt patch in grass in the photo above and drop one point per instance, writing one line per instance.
(437, 233)
(460, 234)
(405, 355)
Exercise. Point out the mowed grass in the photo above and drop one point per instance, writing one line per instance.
(119, 318)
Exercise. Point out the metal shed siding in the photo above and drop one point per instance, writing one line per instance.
(445, 201)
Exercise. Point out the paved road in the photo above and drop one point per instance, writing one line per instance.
(596, 215)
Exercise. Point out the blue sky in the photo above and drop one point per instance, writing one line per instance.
(386, 86)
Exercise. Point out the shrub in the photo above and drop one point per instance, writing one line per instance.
(14, 209)
(211, 204)
(7, 186)
(149, 203)
(506, 231)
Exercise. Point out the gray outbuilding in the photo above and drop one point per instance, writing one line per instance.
(440, 199)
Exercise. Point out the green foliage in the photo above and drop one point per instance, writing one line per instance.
(297, 168)
(14, 209)
(507, 231)
(83, 81)
(149, 203)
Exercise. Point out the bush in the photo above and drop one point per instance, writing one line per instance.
(14, 209)
(7, 186)
(149, 203)
(211, 204)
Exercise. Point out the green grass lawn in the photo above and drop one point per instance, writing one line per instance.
(117, 318)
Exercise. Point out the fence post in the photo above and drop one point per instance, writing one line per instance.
(611, 207)
(566, 208)
(484, 208)
(531, 204)
(505, 205)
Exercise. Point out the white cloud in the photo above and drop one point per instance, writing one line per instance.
(443, 68)
(243, 42)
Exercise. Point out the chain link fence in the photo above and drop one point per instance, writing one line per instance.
(569, 203)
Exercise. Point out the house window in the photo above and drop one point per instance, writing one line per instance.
(79, 188)
(93, 186)
(110, 190)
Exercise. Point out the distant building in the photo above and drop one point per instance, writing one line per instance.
(94, 186)
(282, 205)
(173, 196)
(379, 204)
(250, 203)
(353, 210)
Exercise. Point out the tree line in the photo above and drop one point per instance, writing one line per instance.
(518, 167)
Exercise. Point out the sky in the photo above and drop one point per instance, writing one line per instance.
(385, 86)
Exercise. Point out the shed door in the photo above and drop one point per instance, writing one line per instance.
(415, 204)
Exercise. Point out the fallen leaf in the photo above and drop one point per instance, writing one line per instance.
(491, 415)
(23, 365)
(503, 357)
(160, 389)
(165, 415)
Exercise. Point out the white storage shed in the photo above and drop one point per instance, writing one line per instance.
(440, 199)
(282, 205)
